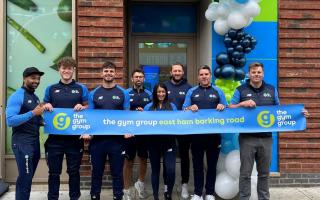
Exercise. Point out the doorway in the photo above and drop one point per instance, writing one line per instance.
(161, 52)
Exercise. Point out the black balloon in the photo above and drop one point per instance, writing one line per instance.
(239, 74)
(247, 50)
(253, 42)
(227, 71)
(245, 43)
(242, 62)
(240, 34)
(232, 33)
(230, 50)
(239, 48)
(217, 72)
(235, 43)
(227, 41)
(222, 58)
(236, 54)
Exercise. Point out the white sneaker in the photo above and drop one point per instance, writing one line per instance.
(140, 189)
(184, 191)
(210, 197)
(196, 197)
(126, 195)
(165, 188)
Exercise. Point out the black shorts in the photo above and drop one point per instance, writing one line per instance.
(136, 146)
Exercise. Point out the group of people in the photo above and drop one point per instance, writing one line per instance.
(24, 112)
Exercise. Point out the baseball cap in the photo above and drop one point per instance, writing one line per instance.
(31, 70)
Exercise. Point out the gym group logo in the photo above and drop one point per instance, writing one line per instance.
(265, 119)
(61, 121)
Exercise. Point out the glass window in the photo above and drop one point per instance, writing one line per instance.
(39, 32)
(157, 57)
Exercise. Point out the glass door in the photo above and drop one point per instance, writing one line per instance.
(157, 55)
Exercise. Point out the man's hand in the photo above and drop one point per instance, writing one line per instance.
(86, 137)
(38, 110)
(139, 109)
(79, 107)
(48, 107)
(128, 135)
(305, 113)
(193, 108)
(248, 103)
(220, 107)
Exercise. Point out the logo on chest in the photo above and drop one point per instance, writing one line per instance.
(74, 91)
(182, 93)
(249, 95)
(100, 98)
(115, 97)
(266, 94)
(213, 96)
(57, 91)
(29, 101)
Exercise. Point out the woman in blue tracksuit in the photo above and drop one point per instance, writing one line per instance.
(161, 145)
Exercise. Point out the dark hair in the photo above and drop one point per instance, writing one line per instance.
(204, 67)
(255, 64)
(155, 101)
(67, 61)
(109, 65)
(177, 63)
(137, 71)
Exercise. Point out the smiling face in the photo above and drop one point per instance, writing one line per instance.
(161, 94)
(177, 73)
(256, 75)
(108, 74)
(204, 77)
(31, 82)
(66, 73)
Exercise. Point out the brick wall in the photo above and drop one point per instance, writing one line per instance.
(299, 82)
(101, 36)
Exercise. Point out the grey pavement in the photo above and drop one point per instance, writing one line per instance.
(279, 193)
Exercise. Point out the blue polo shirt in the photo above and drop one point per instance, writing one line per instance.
(115, 98)
(62, 95)
(205, 97)
(25, 126)
(139, 98)
(177, 92)
(263, 96)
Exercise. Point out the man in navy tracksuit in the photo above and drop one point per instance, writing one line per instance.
(205, 96)
(139, 97)
(65, 94)
(108, 96)
(177, 90)
(23, 114)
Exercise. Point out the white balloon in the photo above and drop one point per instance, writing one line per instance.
(226, 187)
(250, 21)
(232, 163)
(221, 27)
(213, 5)
(237, 20)
(251, 9)
(223, 10)
(211, 15)
(220, 164)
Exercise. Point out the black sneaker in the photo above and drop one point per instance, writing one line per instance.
(95, 197)
(167, 196)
